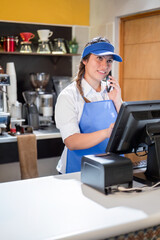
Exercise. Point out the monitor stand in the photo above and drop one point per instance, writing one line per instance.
(141, 178)
(151, 175)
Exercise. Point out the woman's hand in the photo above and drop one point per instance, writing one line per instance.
(115, 93)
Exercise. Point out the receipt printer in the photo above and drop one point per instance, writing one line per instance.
(105, 171)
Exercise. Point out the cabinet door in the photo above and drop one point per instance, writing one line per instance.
(140, 44)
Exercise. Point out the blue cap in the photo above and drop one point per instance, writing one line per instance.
(101, 49)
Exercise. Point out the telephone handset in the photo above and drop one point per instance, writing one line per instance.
(108, 87)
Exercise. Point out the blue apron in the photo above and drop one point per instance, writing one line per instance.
(96, 116)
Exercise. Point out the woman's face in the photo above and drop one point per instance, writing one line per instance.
(97, 67)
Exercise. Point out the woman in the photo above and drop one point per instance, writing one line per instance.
(85, 112)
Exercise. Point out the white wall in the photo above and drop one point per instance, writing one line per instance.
(105, 15)
(103, 11)
(82, 35)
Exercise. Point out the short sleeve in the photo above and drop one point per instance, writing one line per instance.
(66, 115)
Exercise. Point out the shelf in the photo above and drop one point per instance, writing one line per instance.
(26, 63)
(39, 54)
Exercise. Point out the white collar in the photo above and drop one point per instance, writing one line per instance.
(87, 89)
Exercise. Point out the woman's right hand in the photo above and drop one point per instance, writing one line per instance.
(109, 130)
(115, 94)
(79, 141)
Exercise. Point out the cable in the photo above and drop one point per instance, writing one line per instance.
(145, 188)
(141, 155)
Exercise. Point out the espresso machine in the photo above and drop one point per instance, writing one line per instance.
(4, 114)
(44, 100)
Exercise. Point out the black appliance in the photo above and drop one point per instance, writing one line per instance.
(30, 111)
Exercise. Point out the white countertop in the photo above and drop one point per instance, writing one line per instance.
(51, 132)
(61, 207)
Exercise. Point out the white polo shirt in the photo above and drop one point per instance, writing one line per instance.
(68, 111)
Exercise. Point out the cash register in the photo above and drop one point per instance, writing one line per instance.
(137, 129)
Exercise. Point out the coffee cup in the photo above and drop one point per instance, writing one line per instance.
(44, 34)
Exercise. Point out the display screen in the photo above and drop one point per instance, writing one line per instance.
(137, 129)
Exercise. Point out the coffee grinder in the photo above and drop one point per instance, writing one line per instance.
(30, 111)
(45, 109)
(44, 101)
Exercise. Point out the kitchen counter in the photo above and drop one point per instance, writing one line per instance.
(62, 207)
(48, 133)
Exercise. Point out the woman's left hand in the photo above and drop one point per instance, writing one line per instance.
(115, 93)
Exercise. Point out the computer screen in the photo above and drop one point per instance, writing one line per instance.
(137, 129)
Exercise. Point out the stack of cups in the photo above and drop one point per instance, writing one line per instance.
(12, 88)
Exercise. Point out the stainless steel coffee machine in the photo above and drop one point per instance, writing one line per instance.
(44, 101)
(4, 82)
(4, 114)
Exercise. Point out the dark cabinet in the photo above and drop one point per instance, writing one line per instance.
(46, 148)
(55, 65)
